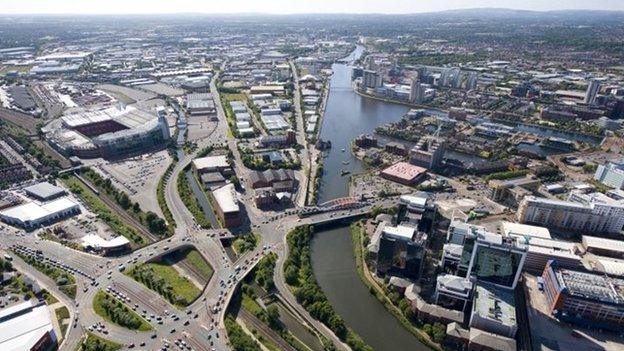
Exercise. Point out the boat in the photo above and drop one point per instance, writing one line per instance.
(344, 172)
(343, 150)
(345, 162)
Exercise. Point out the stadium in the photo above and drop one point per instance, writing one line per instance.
(109, 132)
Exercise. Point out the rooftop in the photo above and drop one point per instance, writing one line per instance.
(44, 190)
(591, 286)
(22, 325)
(226, 198)
(211, 162)
(495, 304)
(524, 230)
(404, 170)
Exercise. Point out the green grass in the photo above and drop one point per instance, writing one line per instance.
(239, 340)
(103, 212)
(193, 258)
(166, 281)
(62, 313)
(160, 195)
(188, 198)
(196, 260)
(251, 305)
(93, 342)
(181, 285)
(66, 282)
(100, 301)
(49, 298)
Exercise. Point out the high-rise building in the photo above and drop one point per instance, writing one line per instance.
(487, 257)
(611, 174)
(589, 213)
(592, 91)
(371, 79)
(401, 251)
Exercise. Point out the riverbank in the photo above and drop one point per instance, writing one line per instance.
(397, 102)
(302, 283)
(379, 292)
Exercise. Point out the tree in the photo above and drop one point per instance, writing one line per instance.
(273, 317)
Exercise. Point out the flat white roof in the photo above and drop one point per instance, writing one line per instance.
(400, 231)
(32, 211)
(22, 331)
(226, 198)
(44, 189)
(517, 229)
(211, 162)
(603, 243)
(96, 241)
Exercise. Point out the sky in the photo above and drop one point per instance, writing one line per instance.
(287, 6)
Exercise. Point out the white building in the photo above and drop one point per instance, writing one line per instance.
(32, 215)
(611, 174)
(590, 213)
(27, 326)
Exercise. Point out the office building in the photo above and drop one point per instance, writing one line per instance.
(225, 203)
(401, 251)
(589, 213)
(452, 291)
(511, 191)
(592, 92)
(27, 326)
(486, 257)
(493, 310)
(611, 174)
(585, 298)
(603, 246)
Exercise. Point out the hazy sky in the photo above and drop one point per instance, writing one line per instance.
(288, 6)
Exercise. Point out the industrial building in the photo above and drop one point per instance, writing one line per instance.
(590, 213)
(27, 326)
(211, 164)
(32, 215)
(44, 191)
(201, 104)
(589, 299)
(404, 173)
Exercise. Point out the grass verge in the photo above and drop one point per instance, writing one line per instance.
(114, 311)
(166, 281)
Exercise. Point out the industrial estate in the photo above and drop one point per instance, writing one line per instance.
(443, 181)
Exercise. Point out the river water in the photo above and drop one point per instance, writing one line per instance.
(348, 115)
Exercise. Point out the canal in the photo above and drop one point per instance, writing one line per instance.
(348, 115)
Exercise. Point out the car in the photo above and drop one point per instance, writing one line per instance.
(131, 346)
(172, 330)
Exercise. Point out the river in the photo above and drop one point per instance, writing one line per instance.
(348, 115)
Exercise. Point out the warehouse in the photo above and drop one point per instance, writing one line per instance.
(27, 326)
(32, 215)
(44, 191)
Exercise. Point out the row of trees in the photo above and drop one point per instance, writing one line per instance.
(299, 275)
(263, 273)
(149, 278)
(116, 311)
(189, 200)
(238, 339)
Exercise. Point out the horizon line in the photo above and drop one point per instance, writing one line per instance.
(298, 13)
